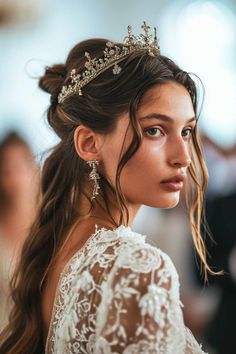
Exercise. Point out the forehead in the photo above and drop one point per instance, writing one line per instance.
(171, 99)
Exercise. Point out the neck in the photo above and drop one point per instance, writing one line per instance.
(99, 210)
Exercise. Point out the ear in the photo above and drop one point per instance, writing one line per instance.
(87, 143)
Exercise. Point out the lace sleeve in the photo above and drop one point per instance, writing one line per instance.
(140, 309)
(120, 295)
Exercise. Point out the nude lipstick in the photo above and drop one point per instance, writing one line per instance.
(174, 183)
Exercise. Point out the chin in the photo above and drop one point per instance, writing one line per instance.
(166, 203)
(171, 202)
(171, 206)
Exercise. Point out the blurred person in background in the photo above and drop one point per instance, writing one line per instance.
(221, 217)
(219, 330)
(221, 164)
(18, 196)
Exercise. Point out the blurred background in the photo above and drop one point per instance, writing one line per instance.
(201, 37)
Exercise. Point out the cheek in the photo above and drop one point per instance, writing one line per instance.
(143, 168)
(140, 179)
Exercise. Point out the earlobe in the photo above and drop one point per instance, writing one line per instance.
(86, 143)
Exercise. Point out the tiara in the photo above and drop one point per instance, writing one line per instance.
(113, 54)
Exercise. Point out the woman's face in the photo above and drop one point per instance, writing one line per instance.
(167, 118)
(16, 171)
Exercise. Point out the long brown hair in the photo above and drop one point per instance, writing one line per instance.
(64, 172)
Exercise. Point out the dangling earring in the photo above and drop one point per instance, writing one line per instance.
(94, 176)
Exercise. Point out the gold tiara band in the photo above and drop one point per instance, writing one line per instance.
(112, 56)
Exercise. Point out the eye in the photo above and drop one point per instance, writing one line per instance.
(154, 131)
(187, 133)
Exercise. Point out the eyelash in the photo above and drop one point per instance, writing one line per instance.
(148, 129)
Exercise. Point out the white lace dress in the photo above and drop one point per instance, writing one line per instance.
(119, 294)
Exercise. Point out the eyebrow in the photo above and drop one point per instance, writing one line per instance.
(164, 117)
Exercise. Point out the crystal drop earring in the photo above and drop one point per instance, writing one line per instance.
(94, 176)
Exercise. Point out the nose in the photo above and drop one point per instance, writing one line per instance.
(180, 153)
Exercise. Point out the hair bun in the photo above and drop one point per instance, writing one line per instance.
(53, 79)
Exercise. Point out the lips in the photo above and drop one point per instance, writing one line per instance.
(174, 183)
(177, 178)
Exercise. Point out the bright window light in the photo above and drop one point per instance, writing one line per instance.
(202, 38)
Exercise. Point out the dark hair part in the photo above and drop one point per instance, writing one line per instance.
(104, 100)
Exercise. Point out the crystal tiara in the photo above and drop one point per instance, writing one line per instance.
(112, 56)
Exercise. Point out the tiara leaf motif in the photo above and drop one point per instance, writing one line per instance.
(112, 56)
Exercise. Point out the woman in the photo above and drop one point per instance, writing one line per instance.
(18, 189)
(87, 283)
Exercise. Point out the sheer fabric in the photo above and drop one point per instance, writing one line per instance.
(119, 294)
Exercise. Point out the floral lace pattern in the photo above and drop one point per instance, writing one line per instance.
(119, 294)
